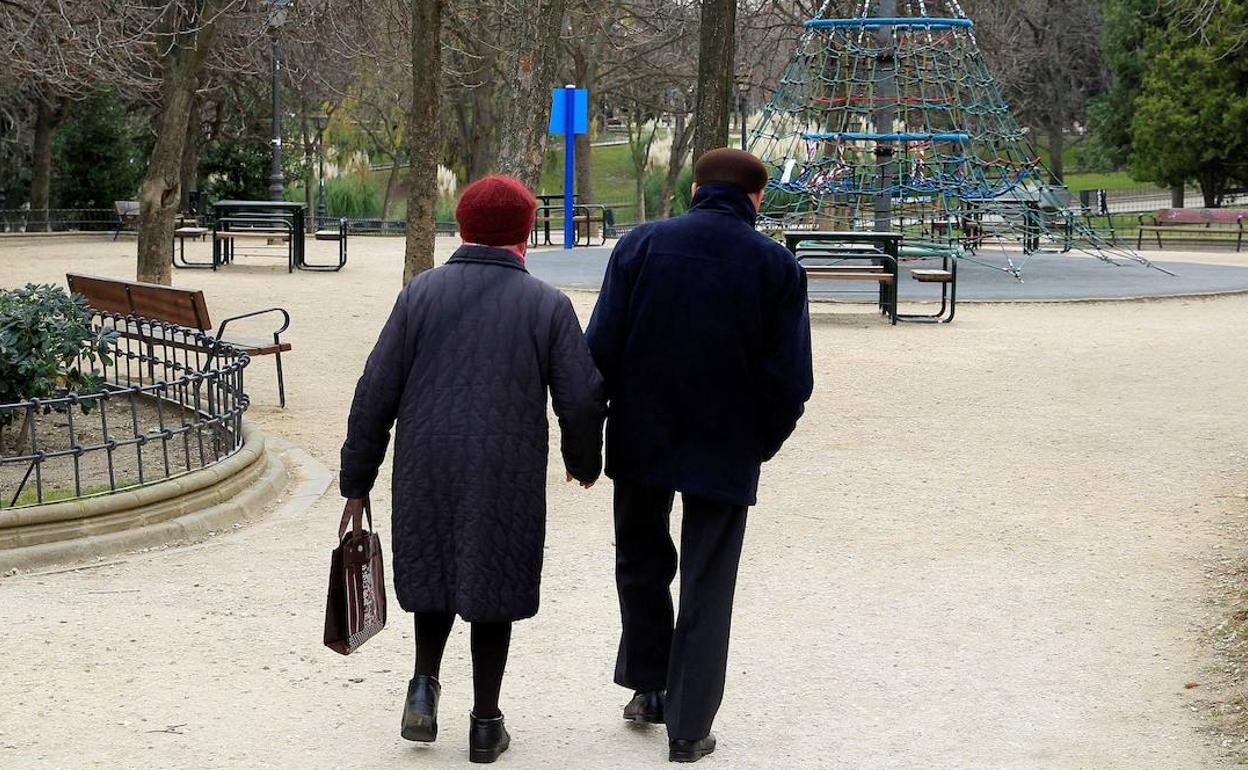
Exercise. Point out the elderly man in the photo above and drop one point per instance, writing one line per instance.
(702, 335)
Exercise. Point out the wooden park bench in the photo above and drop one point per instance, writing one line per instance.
(127, 214)
(184, 307)
(1195, 224)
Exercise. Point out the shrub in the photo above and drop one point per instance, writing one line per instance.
(352, 195)
(45, 335)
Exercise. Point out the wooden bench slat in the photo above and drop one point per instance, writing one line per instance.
(932, 276)
(843, 276)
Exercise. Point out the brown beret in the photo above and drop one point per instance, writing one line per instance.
(735, 167)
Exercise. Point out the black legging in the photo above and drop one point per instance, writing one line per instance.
(490, 642)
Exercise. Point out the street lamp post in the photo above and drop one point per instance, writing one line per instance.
(322, 122)
(277, 187)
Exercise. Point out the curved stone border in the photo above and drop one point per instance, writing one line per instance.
(180, 509)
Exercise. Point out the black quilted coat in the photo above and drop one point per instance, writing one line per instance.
(464, 364)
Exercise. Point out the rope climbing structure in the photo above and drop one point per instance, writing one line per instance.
(890, 120)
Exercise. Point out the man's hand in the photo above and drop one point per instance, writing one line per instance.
(584, 484)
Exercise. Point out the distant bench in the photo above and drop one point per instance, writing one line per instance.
(184, 307)
(127, 214)
(1202, 224)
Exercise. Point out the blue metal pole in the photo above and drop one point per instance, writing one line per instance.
(569, 165)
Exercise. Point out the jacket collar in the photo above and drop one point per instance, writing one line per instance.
(725, 199)
(487, 255)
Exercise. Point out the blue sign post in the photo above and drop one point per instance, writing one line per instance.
(569, 115)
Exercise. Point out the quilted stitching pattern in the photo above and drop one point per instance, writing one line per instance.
(463, 366)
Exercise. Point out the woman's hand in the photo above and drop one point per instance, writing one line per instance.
(584, 484)
(352, 514)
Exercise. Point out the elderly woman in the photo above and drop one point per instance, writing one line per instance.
(464, 365)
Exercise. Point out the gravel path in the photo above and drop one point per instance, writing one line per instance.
(989, 545)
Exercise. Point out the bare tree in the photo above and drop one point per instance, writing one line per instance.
(188, 30)
(1047, 56)
(51, 110)
(534, 42)
(423, 131)
(715, 75)
(682, 140)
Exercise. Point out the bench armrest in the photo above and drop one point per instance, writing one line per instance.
(276, 333)
(216, 345)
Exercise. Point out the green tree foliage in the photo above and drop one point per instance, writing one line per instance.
(1192, 108)
(1128, 25)
(236, 167)
(96, 157)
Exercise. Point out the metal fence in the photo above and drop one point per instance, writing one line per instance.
(58, 220)
(1143, 200)
(172, 402)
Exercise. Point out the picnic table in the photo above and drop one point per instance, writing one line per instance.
(851, 256)
(583, 214)
(873, 256)
(268, 220)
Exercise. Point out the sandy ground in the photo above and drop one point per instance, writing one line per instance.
(989, 545)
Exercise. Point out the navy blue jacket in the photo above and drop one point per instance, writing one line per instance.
(702, 335)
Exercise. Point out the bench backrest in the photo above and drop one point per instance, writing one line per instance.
(185, 307)
(126, 208)
(1201, 216)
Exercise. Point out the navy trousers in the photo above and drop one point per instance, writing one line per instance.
(687, 655)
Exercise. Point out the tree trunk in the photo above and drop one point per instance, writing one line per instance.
(1057, 149)
(584, 169)
(583, 71)
(641, 197)
(715, 75)
(190, 158)
(1212, 188)
(482, 146)
(424, 137)
(50, 112)
(389, 193)
(309, 162)
(526, 114)
(675, 164)
(191, 29)
(1178, 196)
(639, 153)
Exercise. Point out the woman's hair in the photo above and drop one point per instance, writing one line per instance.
(734, 167)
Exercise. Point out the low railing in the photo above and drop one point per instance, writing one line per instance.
(172, 402)
(58, 220)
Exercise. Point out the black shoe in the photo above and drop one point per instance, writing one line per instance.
(420, 713)
(645, 708)
(690, 751)
(487, 739)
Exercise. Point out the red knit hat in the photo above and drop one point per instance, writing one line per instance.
(496, 211)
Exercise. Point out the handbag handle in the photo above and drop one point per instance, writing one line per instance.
(356, 523)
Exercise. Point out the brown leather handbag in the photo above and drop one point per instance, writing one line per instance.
(355, 609)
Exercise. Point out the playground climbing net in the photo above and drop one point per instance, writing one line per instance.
(890, 120)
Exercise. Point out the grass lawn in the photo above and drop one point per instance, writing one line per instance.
(1111, 180)
(613, 174)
